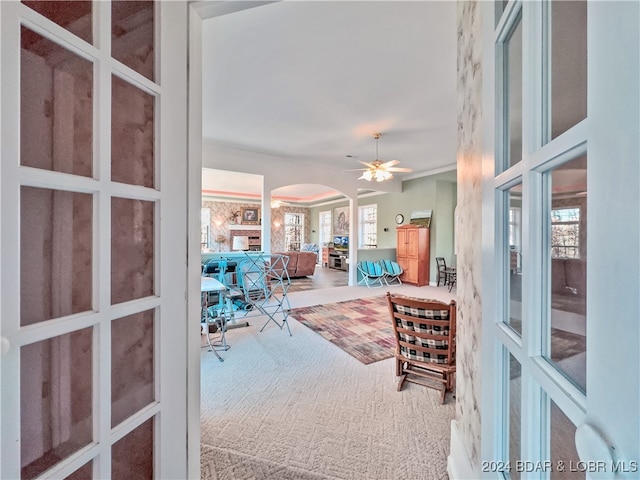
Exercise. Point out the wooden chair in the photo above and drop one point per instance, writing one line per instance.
(425, 332)
(446, 274)
(442, 270)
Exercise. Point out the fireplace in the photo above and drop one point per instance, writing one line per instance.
(255, 238)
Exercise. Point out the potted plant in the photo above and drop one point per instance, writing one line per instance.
(233, 218)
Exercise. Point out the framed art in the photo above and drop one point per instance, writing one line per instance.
(422, 218)
(341, 221)
(250, 216)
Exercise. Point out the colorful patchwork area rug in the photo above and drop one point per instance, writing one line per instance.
(362, 327)
(301, 285)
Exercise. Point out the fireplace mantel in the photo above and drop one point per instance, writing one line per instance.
(244, 227)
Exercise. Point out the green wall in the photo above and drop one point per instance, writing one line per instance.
(435, 192)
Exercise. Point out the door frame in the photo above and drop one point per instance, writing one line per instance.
(169, 298)
(610, 407)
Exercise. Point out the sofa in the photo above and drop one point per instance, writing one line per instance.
(301, 264)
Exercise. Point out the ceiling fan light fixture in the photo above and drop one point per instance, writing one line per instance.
(377, 174)
(377, 170)
(382, 175)
(366, 175)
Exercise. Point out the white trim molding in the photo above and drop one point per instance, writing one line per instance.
(458, 464)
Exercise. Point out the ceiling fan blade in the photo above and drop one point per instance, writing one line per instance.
(399, 169)
(356, 170)
(366, 164)
(390, 163)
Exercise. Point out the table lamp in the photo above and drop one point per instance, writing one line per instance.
(240, 243)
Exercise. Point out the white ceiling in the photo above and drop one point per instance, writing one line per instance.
(311, 81)
(229, 184)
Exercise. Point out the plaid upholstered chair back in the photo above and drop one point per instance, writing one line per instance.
(424, 329)
(425, 332)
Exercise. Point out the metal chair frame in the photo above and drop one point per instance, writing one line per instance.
(264, 280)
(372, 274)
(392, 271)
(214, 323)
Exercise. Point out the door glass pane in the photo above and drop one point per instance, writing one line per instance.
(56, 107)
(132, 135)
(515, 415)
(500, 6)
(56, 400)
(55, 262)
(513, 257)
(132, 455)
(83, 473)
(132, 35)
(513, 93)
(568, 65)
(132, 249)
(77, 19)
(132, 380)
(563, 447)
(568, 266)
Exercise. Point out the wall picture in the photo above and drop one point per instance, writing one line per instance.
(341, 221)
(422, 218)
(250, 216)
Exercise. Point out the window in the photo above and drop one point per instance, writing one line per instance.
(205, 225)
(565, 233)
(324, 222)
(513, 281)
(293, 231)
(515, 215)
(368, 216)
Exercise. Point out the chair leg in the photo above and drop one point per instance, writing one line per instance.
(206, 321)
(401, 381)
(450, 381)
(371, 282)
(208, 330)
(392, 280)
(398, 367)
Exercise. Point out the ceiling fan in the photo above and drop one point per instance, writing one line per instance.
(379, 170)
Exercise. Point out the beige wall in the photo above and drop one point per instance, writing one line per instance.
(221, 213)
(277, 226)
(436, 192)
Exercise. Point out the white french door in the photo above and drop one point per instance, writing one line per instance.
(93, 249)
(561, 311)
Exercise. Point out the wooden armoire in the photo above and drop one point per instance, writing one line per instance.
(412, 253)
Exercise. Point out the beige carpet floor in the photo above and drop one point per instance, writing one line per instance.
(298, 407)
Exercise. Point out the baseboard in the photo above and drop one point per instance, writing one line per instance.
(458, 464)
